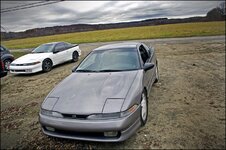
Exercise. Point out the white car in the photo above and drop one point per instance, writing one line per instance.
(44, 57)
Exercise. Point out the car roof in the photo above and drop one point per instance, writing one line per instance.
(54, 43)
(118, 45)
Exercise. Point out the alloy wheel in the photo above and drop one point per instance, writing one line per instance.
(7, 64)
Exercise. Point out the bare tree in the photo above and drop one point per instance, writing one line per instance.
(221, 8)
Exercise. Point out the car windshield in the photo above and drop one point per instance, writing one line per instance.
(45, 48)
(110, 61)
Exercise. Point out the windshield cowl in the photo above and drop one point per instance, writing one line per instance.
(107, 70)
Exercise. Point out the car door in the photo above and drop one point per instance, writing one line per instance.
(68, 51)
(152, 59)
(146, 58)
(59, 53)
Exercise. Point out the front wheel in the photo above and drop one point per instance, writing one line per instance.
(7, 63)
(144, 109)
(47, 65)
(156, 73)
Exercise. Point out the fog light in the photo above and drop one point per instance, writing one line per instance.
(50, 129)
(111, 133)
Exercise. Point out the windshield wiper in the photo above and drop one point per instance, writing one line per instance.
(85, 70)
(110, 70)
(38, 52)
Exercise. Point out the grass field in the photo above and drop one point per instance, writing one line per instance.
(18, 54)
(146, 32)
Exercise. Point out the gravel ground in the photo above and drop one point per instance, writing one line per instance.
(186, 107)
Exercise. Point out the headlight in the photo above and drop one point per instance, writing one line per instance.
(51, 113)
(33, 63)
(26, 64)
(114, 115)
(12, 64)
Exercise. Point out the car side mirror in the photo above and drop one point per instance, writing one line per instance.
(74, 69)
(148, 66)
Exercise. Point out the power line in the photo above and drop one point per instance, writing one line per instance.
(30, 6)
(3, 28)
(22, 5)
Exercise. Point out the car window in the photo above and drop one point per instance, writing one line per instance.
(148, 50)
(2, 49)
(45, 48)
(111, 60)
(60, 47)
(67, 45)
(143, 53)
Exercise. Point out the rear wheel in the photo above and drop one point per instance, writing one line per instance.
(7, 63)
(75, 56)
(144, 109)
(47, 65)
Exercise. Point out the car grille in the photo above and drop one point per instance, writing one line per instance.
(18, 70)
(18, 64)
(72, 116)
(82, 134)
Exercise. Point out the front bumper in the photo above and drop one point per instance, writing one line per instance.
(25, 69)
(91, 130)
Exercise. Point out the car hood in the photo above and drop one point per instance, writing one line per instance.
(88, 93)
(28, 58)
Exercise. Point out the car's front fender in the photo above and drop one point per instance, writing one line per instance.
(135, 91)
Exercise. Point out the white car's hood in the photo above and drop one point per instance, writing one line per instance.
(29, 58)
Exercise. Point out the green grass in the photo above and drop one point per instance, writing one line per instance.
(18, 54)
(146, 32)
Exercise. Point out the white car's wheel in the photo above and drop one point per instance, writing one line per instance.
(47, 65)
(75, 56)
(144, 109)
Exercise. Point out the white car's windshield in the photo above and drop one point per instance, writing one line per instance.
(110, 60)
(45, 48)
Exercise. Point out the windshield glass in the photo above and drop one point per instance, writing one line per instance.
(45, 48)
(110, 60)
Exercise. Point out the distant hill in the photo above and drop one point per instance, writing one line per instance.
(213, 15)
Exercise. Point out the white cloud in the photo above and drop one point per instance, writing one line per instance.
(74, 12)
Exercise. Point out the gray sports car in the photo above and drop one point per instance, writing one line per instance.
(106, 96)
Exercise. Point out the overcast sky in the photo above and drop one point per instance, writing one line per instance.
(94, 12)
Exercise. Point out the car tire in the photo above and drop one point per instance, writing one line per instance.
(144, 109)
(47, 65)
(75, 56)
(156, 73)
(7, 63)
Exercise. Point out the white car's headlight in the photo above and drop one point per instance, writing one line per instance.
(33, 63)
(51, 113)
(114, 115)
(26, 64)
(12, 64)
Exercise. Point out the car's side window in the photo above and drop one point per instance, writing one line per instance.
(2, 49)
(148, 50)
(60, 47)
(143, 53)
(67, 46)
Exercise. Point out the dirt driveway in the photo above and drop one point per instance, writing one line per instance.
(186, 107)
